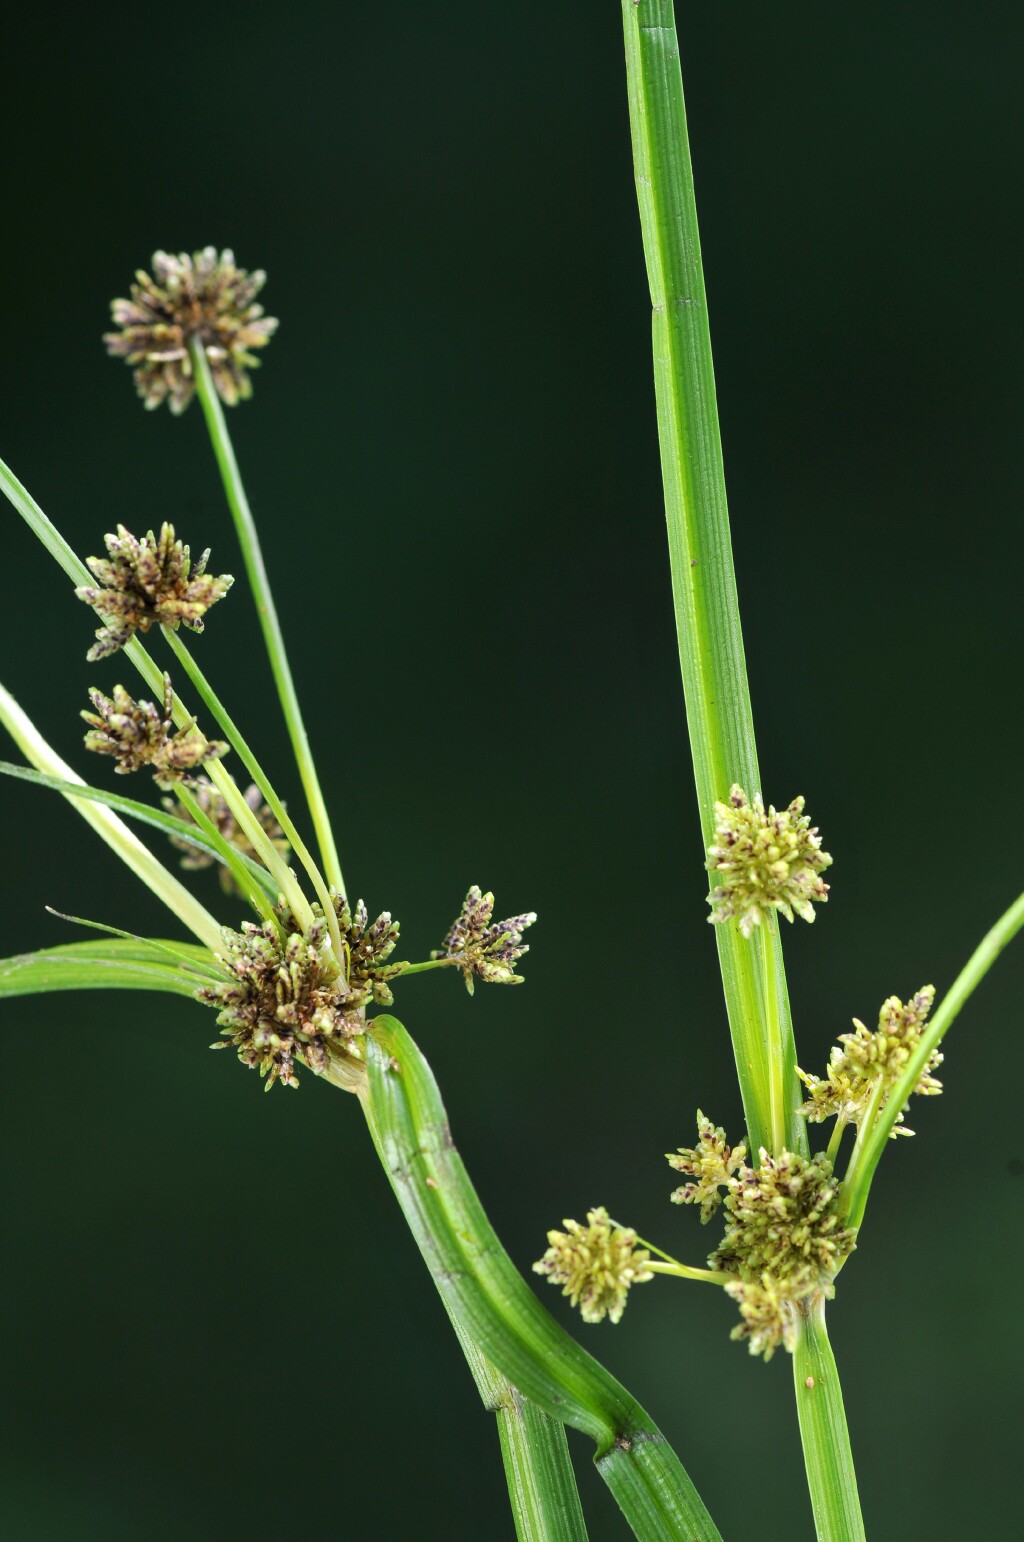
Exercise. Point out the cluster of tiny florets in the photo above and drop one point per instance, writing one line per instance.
(284, 1004)
(482, 948)
(596, 1265)
(784, 1239)
(148, 582)
(764, 861)
(368, 945)
(203, 297)
(215, 806)
(710, 1164)
(870, 1061)
(287, 1003)
(140, 734)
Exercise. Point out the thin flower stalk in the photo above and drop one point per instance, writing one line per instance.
(252, 554)
(243, 882)
(255, 770)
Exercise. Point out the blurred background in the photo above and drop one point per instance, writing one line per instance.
(217, 1326)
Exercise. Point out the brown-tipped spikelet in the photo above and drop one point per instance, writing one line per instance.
(205, 298)
(138, 734)
(148, 582)
(484, 949)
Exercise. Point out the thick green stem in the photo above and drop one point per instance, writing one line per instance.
(703, 581)
(826, 1440)
(874, 1134)
(252, 555)
(541, 1482)
(496, 1309)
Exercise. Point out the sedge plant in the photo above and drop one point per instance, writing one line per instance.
(302, 977)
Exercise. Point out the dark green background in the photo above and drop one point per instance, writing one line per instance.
(215, 1324)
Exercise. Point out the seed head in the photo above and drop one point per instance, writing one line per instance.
(213, 803)
(765, 861)
(138, 734)
(481, 948)
(711, 1163)
(369, 944)
(595, 1264)
(784, 1239)
(282, 1006)
(202, 297)
(865, 1058)
(148, 582)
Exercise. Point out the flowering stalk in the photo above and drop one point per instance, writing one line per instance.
(708, 627)
(711, 655)
(255, 567)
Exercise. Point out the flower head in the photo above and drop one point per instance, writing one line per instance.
(711, 1163)
(286, 1002)
(369, 944)
(482, 948)
(214, 805)
(148, 582)
(765, 861)
(138, 733)
(202, 297)
(871, 1060)
(282, 1005)
(784, 1237)
(595, 1264)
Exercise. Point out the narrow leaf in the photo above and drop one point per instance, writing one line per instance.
(113, 964)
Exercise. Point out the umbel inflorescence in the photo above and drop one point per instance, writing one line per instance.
(287, 1003)
(202, 300)
(786, 1229)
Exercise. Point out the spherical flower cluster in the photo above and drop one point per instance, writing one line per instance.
(596, 1265)
(870, 1061)
(148, 582)
(784, 1240)
(764, 862)
(138, 734)
(286, 1003)
(205, 298)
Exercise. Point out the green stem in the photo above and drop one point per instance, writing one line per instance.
(253, 892)
(703, 580)
(874, 1133)
(688, 1272)
(252, 555)
(836, 1141)
(541, 1484)
(776, 1075)
(497, 1310)
(823, 1432)
(259, 776)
